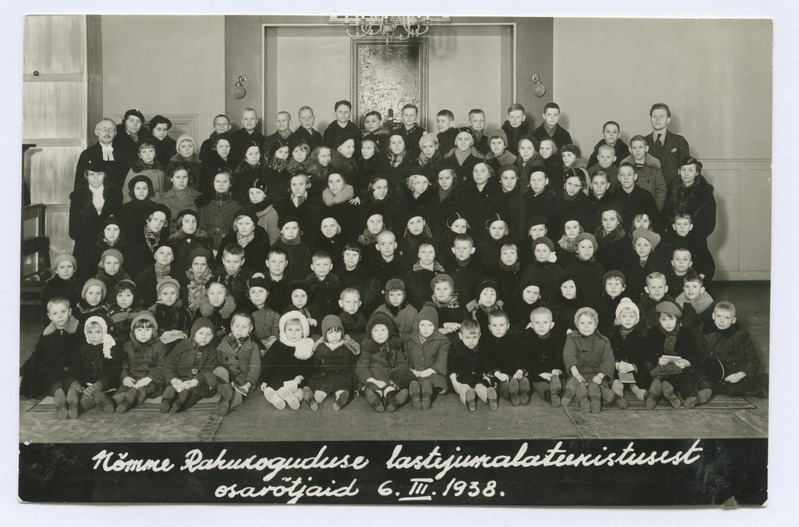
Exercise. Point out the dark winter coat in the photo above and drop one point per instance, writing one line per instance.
(86, 225)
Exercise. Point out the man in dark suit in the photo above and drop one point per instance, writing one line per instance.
(102, 150)
(666, 146)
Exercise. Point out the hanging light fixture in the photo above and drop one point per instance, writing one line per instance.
(392, 28)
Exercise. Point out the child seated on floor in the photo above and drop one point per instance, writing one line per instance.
(239, 364)
(52, 369)
(287, 365)
(99, 365)
(675, 350)
(632, 362)
(427, 351)
(352, 319)
(189, 367)
(382, 368)
(265, 320)
(502, 351)
(142, 375)
(730, 364)
(542, 358)
(467, 367)
(588, 357)
(332, 366)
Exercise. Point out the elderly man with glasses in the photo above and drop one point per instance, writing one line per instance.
(103, 149)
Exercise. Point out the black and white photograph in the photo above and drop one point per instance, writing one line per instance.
(397, 259)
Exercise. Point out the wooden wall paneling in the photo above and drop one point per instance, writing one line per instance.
(53, 171)
(94, 69)
(53, 110)
(57, 225)
(53, 44)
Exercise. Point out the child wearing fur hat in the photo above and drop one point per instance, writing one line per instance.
(146, 165)
(544, 269)
(445, 301)
(499, 153)
(62, 283)
(675, 349)
(122, 310)
(633, 361)
(729, 363)
(332, 365)
(503, 360)
(91, 302)
(298, 253)
(614, 287)
(161, 268)
(655, 292)
(427, 351)
(172, 317)
(287, 365)
(486, 303)
(696, 304)
(53, 366)
(217, 306)
(587, 272)
(588, 357)
(182, 195)
(142, 375)
(467, 367)
(396, 306)
(217, 209)
(239, 359)
(99, 366)
(265, 320)
(188, 368)
(382, 367)
(542, 360)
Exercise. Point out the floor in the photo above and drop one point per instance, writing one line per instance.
(256, 420)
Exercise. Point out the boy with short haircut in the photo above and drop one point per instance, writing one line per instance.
(600, 200)
(244, 137)
(632, 199)
(53, 366)
(233, 273)
(477, 124)
(655, 292)
(324, 285)
(239, 359)
(306, 132)
(445, 124)
(282, 131)
(502, 351)
(467, 367)
(468, 271)
(730, 364)
(542, 358)
(353, 320)
(610, 136)
(164, 145)
(515, 127)
(409, 130)
(208, 147)
(353, 273)
(550, 128)
(696, 304)
(388, 265)
(606, 161)
(375, 131)
(588, 357)
(342, 126)
(396, 306)
(681, 234)
(265, 319)
(278, 284)
(650, 177)
(681, 263)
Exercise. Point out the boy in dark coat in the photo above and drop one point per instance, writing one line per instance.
(502, 351)
(323, 284)
(188, 368)
(382, 368)
(542, 360)
(467, 367)
(333, 364)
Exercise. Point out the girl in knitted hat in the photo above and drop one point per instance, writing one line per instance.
(189, 367)
(427, 351)
(99, 366)
(333, 365)
(186, 239)
(142, 376)
(187, 152)
(110, 272)
(287, 365)
(633, 363)
(173, 318)
(91, 302)
(382, 368)
(588, 359)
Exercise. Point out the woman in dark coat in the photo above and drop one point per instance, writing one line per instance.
(380, 199)
(215, 161)
(694, 196)
(337, 203)
(483, 198)
(463, 157)
(89, 209)
(401, 163)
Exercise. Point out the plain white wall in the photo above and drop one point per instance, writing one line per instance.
(165, 65)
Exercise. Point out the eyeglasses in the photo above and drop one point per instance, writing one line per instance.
(105, 130)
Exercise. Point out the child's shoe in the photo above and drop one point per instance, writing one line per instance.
(471, 400)
(482, 392)
(307, 396)
(704, 395)
(491, 395)
(73, 401)
(141, 396)
(415, 390)
(319, 396)
(60, 402)
(639, 393)
(341, 400)
(374, 400)
(274, 399)
(513, 392)
(582, 396)
(554, 391)
(87, 403)
(690, 402)
(225, 399)
(427, 396)
(668, 393)
(595, 397)
(390, 401)
(568, 397)
(128, 400)
(653, 394)
(106, 403)
(168, 399)
(524, 391)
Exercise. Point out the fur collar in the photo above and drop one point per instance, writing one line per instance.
(703, 302)
(330, 199)
(71, 327)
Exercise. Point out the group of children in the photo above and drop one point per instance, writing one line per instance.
(482, 264)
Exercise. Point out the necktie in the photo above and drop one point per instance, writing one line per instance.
(660, 139)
